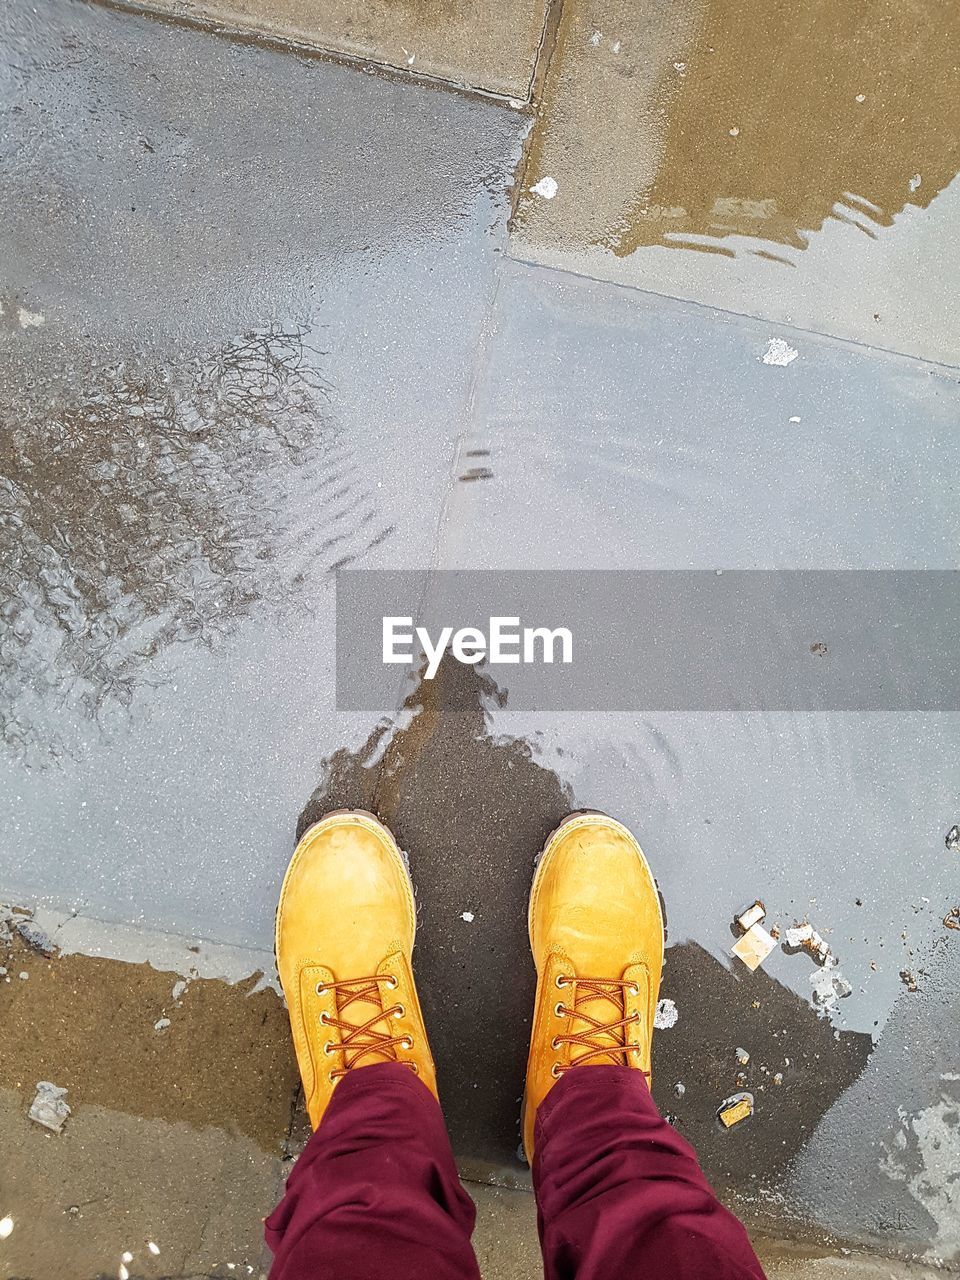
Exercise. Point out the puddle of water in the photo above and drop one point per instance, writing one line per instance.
(145, 506)
(472, 804)
(798, 159)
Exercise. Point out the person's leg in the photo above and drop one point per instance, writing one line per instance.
(376, 1192)
(620, 1194)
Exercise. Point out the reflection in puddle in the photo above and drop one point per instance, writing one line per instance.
(777, 122)
(727, 121)
(144, 506)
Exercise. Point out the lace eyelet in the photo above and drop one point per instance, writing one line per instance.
(392, 982)
(634, 989)
(561, 980)
(555, 1071)
(328, 1048)
(320, 989)
(399, 1011)
(324, 1020)
(558, 1009)
(414, 1068)
(555, 1043)
(406, 1043)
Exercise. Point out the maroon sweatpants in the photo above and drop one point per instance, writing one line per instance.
(375, 1195)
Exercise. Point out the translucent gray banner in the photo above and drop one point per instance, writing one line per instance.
(595, 640)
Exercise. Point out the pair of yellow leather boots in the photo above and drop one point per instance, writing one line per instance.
(344, 938)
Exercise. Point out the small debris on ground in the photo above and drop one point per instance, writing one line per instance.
(35, 938)
(952, 840)
(909, 979)
(48, 1107)
(467, 916)
(6, 1227)
(154, 1248)
(751, 915)
(666, 1015)
(546, 188)
(742, 1056)
(161, 1024)
(738, 1107)
(679, 1089)
(804, 936)
(779, 353)
(23, 975)
(754, 947)
(952, 918)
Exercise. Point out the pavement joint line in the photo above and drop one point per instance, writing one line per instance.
(923, 362)
(287, 44)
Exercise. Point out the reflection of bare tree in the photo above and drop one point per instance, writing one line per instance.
(153, 506)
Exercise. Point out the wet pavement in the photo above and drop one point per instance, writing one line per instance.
(265, 317)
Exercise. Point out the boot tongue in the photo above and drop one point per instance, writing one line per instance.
(604, 1004)
(357, 1004)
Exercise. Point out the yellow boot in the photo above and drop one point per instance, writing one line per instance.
(344, 941)
(596, 931)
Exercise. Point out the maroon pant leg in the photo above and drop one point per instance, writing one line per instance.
(375, 1194)
(620, 1194)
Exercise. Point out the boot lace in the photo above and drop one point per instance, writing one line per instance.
(598, 1038)
(360, 1040)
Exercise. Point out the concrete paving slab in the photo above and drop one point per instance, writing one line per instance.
(181, 1091)
(798, 167)
(460, 41)
(270, 276)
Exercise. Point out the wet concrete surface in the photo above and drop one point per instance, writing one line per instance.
(262, 318)
(798, 166)
(180, 1090)
(456, 41)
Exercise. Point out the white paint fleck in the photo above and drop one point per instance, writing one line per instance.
(126, 1256)
(915, 181)
(411, 57)
(6, 1227)
(29, 319)
(23, 975)
(794, 419)
(517, 104)
(779, 353)
(680, 67)
(546, 188)
(666, 1015)
(179, 988)
(596, 38)
(467, 916)
(861, 97)
(735, 132)
(154, 1248)
(123, 1273)
(161, 1024)
(616, 47)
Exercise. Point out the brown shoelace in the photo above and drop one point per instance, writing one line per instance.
(359, 1040)
(591, 1038)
